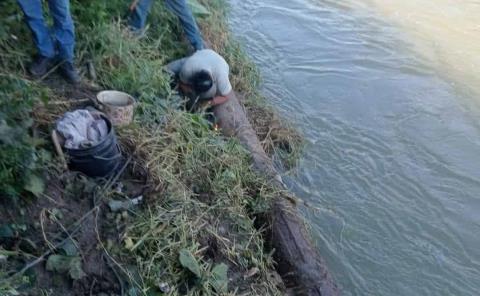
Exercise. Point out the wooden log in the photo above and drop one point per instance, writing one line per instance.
(298, 261)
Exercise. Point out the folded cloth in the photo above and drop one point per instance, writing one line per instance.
(81, 129)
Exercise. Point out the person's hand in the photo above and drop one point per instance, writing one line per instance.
(186, 89)
(218, 100)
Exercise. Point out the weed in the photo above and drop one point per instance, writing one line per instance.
(21, 157)
(203, 192)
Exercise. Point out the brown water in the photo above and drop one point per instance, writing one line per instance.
(444, 32)
(387, 94)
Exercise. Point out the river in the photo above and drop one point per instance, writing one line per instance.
(387, 94)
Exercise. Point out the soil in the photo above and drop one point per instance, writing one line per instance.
(82, 91)
(45, 221)
(271, 131)
(70, 197)
(47, 217)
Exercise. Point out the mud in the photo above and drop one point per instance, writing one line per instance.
(46, 221)
(40, 223)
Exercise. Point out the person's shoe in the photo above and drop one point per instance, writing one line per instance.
(40, 66)
(68, 71)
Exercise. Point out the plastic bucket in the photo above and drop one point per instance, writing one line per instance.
(99, 160)
(117, 105)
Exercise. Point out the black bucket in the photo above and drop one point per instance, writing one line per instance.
(99, 160)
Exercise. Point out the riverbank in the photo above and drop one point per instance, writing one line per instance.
(194, 233)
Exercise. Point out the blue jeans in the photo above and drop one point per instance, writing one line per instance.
(180, 8)
(62, 42)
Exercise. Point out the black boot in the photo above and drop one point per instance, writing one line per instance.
(40, 66)
(68, 71)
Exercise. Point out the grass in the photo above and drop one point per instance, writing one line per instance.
(206, 196)
(202, 195)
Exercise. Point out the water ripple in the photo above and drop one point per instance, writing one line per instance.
(393, 154)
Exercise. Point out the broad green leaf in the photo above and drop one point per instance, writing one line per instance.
(128, 243)
(72, 265)
(35, 185)
(69, 248)
(45, 155)
(58, 263)
(188, 261)
(75, 269)
(219, 278)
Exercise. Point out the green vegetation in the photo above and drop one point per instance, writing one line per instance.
(195, 234)
(21, 158)
(204, 205)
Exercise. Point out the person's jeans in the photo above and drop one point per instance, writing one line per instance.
(63, 38)
(180, 8)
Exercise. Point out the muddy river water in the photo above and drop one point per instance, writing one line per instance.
(387, 94)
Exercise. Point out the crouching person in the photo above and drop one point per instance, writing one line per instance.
(51, 49)
(203, 78)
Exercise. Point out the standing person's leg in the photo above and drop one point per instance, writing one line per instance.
(41, 36)
(63, 28)
(64, 37)
(181, 9)
(138, 17)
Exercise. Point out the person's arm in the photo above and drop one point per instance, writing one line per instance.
(175, 67)
(218, 100)
(224, 88)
